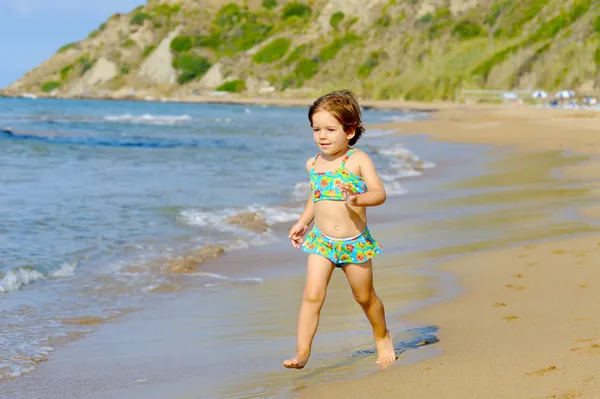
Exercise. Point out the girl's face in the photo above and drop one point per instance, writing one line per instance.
(329, 134)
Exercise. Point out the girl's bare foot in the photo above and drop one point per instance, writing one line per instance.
(297, 362)
(385, 350)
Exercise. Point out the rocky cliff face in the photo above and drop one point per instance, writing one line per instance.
(414, 49)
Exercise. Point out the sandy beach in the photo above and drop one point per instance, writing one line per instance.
(526, 324)
(489, 279)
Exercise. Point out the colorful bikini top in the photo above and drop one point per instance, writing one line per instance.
(324, 185)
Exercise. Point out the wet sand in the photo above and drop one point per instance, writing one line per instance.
(526, 324)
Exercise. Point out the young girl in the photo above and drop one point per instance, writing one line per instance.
(343, 182)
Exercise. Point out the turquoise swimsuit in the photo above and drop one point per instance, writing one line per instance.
(324, 185)
(340, 251)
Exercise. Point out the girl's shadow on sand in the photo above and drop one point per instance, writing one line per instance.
(424, 336)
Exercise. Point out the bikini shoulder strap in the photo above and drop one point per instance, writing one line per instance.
(348, 154)
(315, 160)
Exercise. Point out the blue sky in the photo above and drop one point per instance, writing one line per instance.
(32, 30)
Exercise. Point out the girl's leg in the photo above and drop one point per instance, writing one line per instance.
(319, 270)
(360, 277)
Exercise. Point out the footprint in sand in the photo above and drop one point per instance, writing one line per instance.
(511, 318)
(544, 371)
(532, 264)
(558, 251)
(590, 350)
(567, 395)
(587, 339)
(515, 287)
(499, 305)
(518, 275)
(522, 256)
(583, 286)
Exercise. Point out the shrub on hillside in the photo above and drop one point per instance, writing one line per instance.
(243, 37)
(295, 55)
(181, 44)
(211, 41)
(296, 9)
(233, 86)
(139, 18)
(269, 4)
(129, 43)
(335, 19)
(329, 52)
(306, 69)
(370, 63)
(148, 50)
(466, 30)
(64, 72)
(50, 86)
(192, 66)
(228, 15)
(66, 47)
(86, 64)
(272, 52)
(385, 20)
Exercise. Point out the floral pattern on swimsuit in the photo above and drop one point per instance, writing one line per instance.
(324, 184)
(342, 251)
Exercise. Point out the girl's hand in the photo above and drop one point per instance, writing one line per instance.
(297, 234)
(348, 194)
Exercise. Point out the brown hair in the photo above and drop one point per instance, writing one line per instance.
(343, 106)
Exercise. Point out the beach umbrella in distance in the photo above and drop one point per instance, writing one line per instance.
(539, 94)
(565, 94)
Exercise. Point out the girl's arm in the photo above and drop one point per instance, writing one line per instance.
(309, 209)
(299, 229)
(376, 194)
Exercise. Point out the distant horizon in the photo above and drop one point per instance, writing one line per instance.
(36, 29)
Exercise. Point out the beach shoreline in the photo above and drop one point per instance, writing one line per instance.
(525, 324)
(463, 340)
(402, 105)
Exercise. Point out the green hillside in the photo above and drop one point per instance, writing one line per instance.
(382, 49)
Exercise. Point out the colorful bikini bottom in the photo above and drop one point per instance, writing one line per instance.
(342, 251)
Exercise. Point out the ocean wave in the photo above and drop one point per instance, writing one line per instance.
(117, 142)
(221, 218)
(379, 132)
(17, 278)
(405, 117)
(149, 119)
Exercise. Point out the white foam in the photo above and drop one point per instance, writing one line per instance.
(217, 218)
(378, 133)
(301, 190)
(404, 117)
(14, 279)
(149, 119)
(274, 214)
(403, 164)
(67, 270)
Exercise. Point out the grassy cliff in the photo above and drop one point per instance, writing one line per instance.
(382, 49)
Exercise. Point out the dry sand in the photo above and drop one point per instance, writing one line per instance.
(527, 325)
